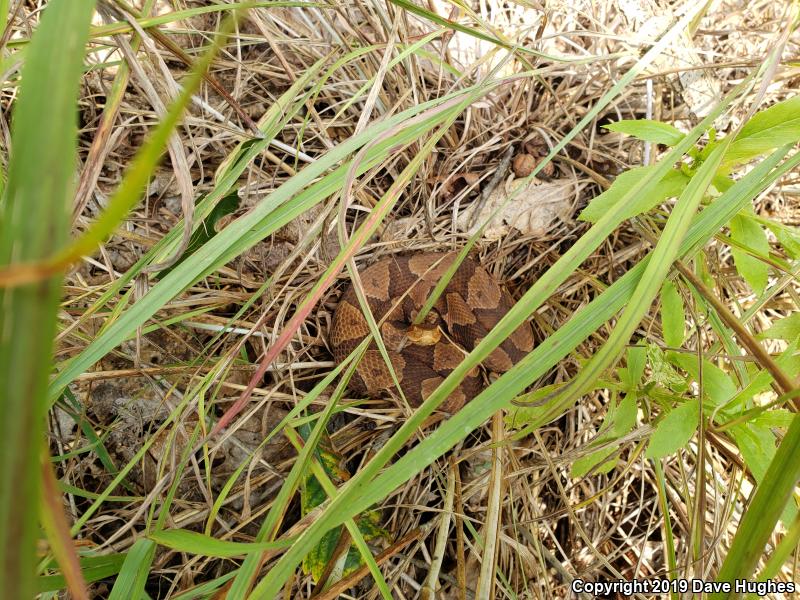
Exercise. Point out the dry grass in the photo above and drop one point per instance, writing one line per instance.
(553, 527)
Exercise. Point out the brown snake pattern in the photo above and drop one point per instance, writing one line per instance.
(422, 356)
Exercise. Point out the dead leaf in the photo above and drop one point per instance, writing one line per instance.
(532, 210)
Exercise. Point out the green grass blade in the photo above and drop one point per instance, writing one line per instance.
(548, 283)
(279, 114)
(540, 291)
(782, 552)
(765, 508)
(132, 185)
(93, 568)
(184, 540)
(3, 14)
(34, 224)
(471, 31)
(205, 590)
(271, 123)
(359, 238)
(133, 575)
(583, 323)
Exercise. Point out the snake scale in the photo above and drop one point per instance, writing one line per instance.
(396, 287)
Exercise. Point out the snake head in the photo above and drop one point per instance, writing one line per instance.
(423, 335)
(426, 333)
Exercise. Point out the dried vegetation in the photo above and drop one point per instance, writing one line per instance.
(552, 526)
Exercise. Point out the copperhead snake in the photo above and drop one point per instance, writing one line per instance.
(395, 288)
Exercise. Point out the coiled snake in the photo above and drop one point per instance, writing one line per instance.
(422, 356)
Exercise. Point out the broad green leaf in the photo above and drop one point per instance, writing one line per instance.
(311, 492)
(625, 417)
(662, 371)
(312, 495)
(134, 572)
(761, 380)
(628, 382)
(757, 444)
(723, 183)
(675, 430)
(673, 317)
(192, 542)
(666, 250)
(671, 185)
(788, 237)
(620, 419)
(774, 418)
(648, 130)
(317, 560)
(636, 360)
(747, 232)
(718, 386)
(787, 329)
(599, 461)
(768, 129)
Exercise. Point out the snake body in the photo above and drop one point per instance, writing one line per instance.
(423, 355)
